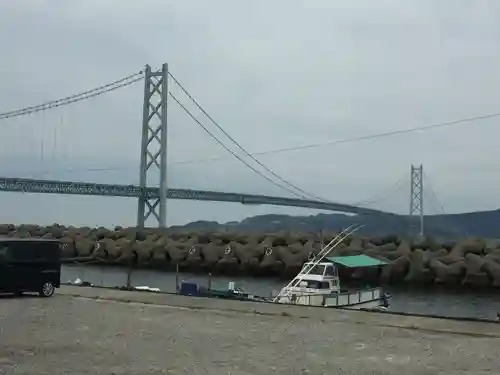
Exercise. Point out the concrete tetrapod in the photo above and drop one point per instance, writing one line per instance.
(471, 261)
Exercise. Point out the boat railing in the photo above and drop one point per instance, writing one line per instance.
(304, 291)
(335, 298)
(355, 297)
(361, 290)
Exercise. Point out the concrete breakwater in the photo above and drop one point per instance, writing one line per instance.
(470, 261)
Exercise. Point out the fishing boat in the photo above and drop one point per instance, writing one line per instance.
(318, 283)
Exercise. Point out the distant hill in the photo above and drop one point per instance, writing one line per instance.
(483, 223)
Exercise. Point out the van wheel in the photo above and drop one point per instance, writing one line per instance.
(47, 289)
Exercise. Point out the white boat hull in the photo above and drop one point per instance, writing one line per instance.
(355, 300)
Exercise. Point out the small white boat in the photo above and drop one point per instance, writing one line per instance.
(318, 283)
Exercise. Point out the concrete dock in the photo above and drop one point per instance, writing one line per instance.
(99, 331)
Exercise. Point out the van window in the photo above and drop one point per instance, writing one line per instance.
(32, 251)
(4, 252)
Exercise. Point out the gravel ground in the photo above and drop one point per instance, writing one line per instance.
(76, 335)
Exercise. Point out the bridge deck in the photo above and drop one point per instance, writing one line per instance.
(21, 185)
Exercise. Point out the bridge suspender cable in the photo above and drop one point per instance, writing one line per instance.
(442, 210)
(76, 97)
(293, 186)
(234, 153)
(138, 76)
(381, 196)
(134, 78)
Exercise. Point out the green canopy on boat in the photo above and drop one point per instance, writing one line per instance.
(356, 261)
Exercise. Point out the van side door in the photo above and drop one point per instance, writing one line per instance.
(30, 264)
(8, 277)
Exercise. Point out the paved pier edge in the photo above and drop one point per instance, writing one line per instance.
(430, 324)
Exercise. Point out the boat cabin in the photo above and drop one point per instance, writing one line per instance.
(321, 276)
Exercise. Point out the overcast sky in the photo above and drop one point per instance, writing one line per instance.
(274, 74)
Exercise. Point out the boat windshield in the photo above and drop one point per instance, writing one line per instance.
(314, 284)
(316, 270)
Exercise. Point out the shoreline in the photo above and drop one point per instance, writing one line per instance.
(455, 289)
(68, 289)
(448, 325)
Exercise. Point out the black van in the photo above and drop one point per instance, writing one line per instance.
(30, 265)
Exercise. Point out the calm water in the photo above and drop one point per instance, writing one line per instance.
(437, 302)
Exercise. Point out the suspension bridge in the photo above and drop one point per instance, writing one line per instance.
(152, 198)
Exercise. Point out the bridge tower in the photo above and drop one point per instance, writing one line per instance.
(417, 200)
(154, 146)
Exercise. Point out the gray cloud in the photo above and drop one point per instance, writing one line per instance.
(274, 75)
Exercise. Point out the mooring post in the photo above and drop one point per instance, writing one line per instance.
(177, 288)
